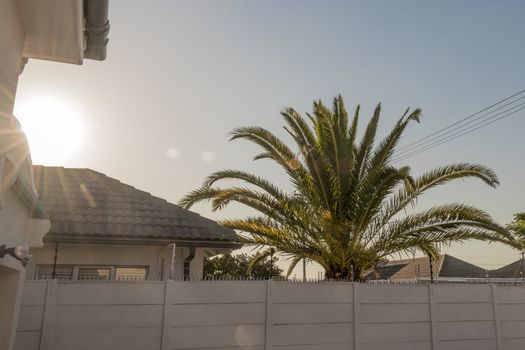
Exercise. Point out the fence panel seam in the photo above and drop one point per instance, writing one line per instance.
(269, 319)
(434, 330)
(167, 309)
(48, 319)
(357, 317)
(495, 309)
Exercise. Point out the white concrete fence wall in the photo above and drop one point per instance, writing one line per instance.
(270, 315)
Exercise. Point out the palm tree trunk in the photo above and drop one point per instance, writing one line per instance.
(430, 260)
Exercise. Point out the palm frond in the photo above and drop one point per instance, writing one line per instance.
(202, 194)
(255, 180)
(256, 259)
(293, 263)
(346, 208)
(434, 178)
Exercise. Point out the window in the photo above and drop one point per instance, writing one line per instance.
(92, 273)
(62, 272)
(130, 273)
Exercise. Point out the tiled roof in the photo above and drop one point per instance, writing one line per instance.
(405, 269)
(86, 205)
(386, 271)
(457, 268)
(444, 266)
(513, 270)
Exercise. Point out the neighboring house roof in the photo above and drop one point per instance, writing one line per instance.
(444, 266)
(386, 271)
(405, 269)
(513, 270)
(454, 267)
(87, 206)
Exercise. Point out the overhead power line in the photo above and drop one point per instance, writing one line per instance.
(456, 135)
(464, 126)
(464, 119)
(488, 115)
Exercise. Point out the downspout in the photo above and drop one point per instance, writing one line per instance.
(97, 28)
(53, 274)
(187, 262)
(430, 260)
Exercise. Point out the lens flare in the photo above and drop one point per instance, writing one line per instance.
(54, 128)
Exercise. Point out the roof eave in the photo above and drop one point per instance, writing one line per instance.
(83, 239)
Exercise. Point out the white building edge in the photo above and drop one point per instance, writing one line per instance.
(57, 30)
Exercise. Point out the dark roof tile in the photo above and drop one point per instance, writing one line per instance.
(444, 266)
(457, 268)
(512, 270)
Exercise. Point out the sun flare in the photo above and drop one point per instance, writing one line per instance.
(54, 128)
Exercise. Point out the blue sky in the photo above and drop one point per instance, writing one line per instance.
(181, 74)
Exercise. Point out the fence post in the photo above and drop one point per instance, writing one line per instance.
(168, 294)
(357, 317)
(48, 322)
(434, 331)
(269, 319)
(495, 309)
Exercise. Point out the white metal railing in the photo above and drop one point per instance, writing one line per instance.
(138, 278)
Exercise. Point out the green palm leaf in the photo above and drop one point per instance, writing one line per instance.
(347, 210)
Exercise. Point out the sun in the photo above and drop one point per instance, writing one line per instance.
(54, 128)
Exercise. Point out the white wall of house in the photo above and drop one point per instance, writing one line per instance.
(13, 215)
(23, 25)
(13, 220)
(156, 258)
(11, 284)
(16, 228)
(12, 37)
(261, 315)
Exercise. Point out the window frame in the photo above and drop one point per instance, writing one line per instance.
(145, 267)
(76, 267)
(39, 266)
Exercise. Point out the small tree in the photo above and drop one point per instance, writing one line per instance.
(517, 240)
(517, 228)
(233, 266)
(518, 225)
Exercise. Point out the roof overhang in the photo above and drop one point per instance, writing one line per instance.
(148, 241)
(65, 31)
(16, 172)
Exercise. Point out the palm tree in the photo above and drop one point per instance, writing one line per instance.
(346, 208)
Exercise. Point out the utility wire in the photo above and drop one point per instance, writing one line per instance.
(471, 123)
(456, 135)
(467, 130)
(417, 142)
(460, 128)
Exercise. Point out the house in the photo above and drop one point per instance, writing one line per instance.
(63, 31)
(104, 229)
(445, 266)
